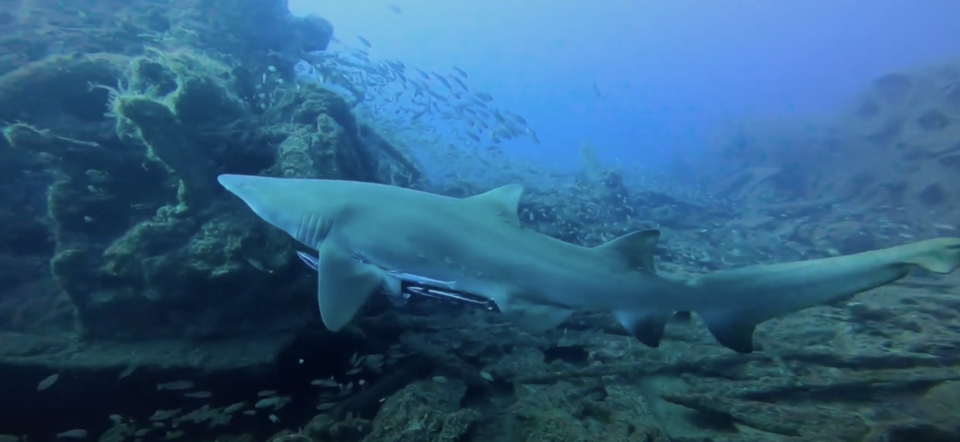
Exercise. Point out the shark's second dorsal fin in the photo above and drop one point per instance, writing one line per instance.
(502, 202)
(636, 249)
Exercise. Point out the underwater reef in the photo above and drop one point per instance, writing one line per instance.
(140, 300)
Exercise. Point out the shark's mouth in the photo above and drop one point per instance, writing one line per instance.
(414, 285)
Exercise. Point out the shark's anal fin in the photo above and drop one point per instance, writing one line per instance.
(731, 330)
(344, 285)
(647, 327)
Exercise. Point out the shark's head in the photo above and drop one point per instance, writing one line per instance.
(284, 203)
(268, 197)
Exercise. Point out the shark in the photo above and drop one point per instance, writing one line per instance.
(369, 237)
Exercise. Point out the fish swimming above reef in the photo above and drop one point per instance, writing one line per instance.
(479, 246)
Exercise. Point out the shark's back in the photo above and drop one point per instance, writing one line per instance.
(470, 237)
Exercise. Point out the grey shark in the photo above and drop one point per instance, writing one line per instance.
(478, 246)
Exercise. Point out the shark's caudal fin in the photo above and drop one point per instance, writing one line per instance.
(940, 255)
(785, 288)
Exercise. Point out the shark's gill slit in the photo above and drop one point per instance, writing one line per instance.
(308, 230)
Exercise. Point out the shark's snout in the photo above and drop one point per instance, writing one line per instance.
(233, 183)
(280, 202)
(254, 191)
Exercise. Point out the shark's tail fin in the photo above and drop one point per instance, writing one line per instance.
(940, 255)
(800, 285)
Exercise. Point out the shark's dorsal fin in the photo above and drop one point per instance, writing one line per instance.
(636, 249)
(502, 202)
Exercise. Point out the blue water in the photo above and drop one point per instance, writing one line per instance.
(669, 73)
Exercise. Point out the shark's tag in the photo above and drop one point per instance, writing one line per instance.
(344, 285)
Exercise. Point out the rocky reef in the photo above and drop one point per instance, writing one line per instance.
(140, 300)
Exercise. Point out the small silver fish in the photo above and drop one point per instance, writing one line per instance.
(175, 385)
(324, 383)
(127, 371)
(73, 434)
(48, 382)
(267, 402)
(234, 408)
(160, 415)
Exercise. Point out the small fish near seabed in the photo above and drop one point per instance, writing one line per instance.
(73, 434)
(478, 242)
(48, 382)
(175, 386)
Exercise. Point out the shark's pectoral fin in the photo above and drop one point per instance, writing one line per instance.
(731, 329)
(344, 285)
(393, 288)
(647, 327)
(531, 316)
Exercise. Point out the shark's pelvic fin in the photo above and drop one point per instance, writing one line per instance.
(635, 249)
(502, 202)
(647, 327)
(345, 284)
(531, 316)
